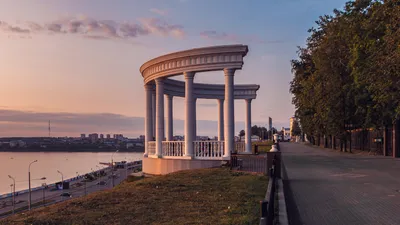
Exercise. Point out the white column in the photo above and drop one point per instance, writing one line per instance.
(194, 119)
(154, 112)
(229, 119)
(248, 126)
(170, 124)
(159, 115)
(189, 114)
(220, 119)
(148, 127)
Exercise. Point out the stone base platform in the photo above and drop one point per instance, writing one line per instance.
(160, 166)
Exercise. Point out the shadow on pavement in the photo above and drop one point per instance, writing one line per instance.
(292, 210)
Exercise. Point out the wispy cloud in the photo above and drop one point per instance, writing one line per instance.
(158, 26)
(161, 12)
(98, 29)
(215, 35)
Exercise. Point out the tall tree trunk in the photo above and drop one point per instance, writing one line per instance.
(350, 143)
(385, 141)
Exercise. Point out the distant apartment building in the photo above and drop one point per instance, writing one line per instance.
(118, 136)
(101, 136)
(202, 138)
(18, 143)
(292, 120)
(108, 136)
(83, 136)
(179, 138)
(94, 137)
(141, 137)
(129, 145)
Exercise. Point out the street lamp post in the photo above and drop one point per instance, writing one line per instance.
(62, 179)
(112, 167)
(44, 197)
(29, 178)
(126, 168)
(13, 192)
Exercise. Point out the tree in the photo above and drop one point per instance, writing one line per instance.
(348, 73)
(241, 134)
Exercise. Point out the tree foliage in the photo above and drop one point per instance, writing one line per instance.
(348, 74)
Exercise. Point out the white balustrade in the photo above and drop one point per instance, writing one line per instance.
(151, 147)
(240, 147)
(173, 148)
(208, 149)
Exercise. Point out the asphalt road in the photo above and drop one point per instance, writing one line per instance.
(325, 187)
(53, 196)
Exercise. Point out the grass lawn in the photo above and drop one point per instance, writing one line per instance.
(19, 209)
(204, 196)
(263, 147)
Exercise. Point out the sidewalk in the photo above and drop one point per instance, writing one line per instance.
(326, 187)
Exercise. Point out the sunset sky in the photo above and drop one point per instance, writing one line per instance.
(76, 63)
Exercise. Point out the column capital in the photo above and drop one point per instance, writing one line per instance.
(189, 75)
(159, 80)
(169, 96)
(229, 72)
(148, 87)
(248, 100)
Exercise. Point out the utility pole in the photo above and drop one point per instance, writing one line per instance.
(44, 197)
(13, 192)
(30, 192)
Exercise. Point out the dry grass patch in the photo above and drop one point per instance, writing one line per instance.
(263, 147)
(205, 196)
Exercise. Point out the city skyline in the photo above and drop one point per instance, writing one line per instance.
(70, 124)
(81, 61)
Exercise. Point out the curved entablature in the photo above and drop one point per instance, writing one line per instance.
(210, 91)
(194, 60)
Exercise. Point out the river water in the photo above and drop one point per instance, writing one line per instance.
(69, 163)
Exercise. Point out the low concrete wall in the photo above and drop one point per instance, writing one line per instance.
(159, 166)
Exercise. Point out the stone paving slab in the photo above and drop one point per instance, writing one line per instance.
(327, 187)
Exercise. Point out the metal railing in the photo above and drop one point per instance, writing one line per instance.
(240, 147)
(151, 147)
(208, 149)
(268, 204)
(256, 164)
(173, 148)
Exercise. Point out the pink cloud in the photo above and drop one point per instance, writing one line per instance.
(99, 29)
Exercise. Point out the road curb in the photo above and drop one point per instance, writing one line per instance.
(283, 215)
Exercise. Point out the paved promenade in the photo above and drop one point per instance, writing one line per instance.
(327, 187)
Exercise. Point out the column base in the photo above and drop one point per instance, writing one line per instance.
(227, 158)
(155, 156)
(188, 157)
